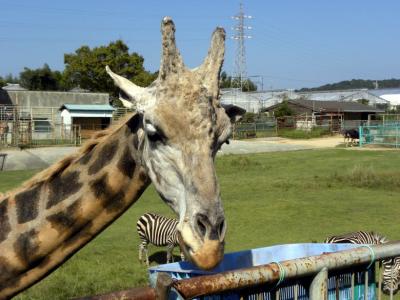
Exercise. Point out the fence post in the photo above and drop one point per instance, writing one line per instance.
(319, 286)
(360, 137)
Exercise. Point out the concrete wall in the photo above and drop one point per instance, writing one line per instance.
(50, 99)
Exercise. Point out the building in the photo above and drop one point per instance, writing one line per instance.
(391, 95)
(28, 117)
(259, 100)
(349, 110)
(89, 117)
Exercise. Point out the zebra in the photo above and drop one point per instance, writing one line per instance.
(159, 231)
(391, 267)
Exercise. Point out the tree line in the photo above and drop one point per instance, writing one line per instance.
(355, 84)
(85, 68)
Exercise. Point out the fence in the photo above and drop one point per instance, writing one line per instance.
(309, 274)
(330, 122)
(383, 135)
(252, 130)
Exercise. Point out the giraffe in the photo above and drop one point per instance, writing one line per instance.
(171, 141)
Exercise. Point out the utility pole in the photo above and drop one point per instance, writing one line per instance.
(240, 36)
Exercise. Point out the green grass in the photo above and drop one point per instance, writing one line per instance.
(272, 198)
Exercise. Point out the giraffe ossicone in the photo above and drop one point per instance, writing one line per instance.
(171, 140)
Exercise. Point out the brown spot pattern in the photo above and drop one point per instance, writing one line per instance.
(109, 200)
(65, 220)
(26, 203)
(5, 227)
(104, 157)
(60, 188)
(26, 247)
(127, 164)
(6, 272)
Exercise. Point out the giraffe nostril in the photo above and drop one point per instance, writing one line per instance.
(222, 230)
(201, 226)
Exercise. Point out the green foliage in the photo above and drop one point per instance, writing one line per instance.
(41, 79)
(269, 199)
(283, 110)
(356, 84)
(249, 117)
(363, 101)
(8, 79)
(302, 134)
(86, 67)
(229, 82)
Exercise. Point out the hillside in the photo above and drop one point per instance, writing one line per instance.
(355, 84)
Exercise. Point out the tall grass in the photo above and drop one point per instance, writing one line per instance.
(368, 177)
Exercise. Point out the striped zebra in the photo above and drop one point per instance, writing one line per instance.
(391, 267)
(159, 231)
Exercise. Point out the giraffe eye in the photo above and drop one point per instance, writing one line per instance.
(154, 134)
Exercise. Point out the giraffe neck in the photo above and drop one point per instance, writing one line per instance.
(47, 222)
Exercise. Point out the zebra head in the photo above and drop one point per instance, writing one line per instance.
(183, 126)
(391, 275)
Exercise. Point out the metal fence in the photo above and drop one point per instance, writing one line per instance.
(252, 130)
(311, 277)
(382, 135)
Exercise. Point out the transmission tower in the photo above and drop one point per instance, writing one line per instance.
(240, 72)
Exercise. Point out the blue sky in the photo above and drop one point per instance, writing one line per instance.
(295, 43)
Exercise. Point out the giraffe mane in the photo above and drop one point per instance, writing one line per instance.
(60, 166)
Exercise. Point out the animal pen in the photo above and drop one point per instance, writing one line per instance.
(285, 272)
(380, 135)
(43, 126)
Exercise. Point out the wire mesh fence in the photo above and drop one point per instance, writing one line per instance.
(381, 135)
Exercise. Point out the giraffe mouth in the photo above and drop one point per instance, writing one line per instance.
(187, 250)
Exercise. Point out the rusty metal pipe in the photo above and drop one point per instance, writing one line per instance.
(248, 277)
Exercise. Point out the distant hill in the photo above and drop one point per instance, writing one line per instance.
(355, 84)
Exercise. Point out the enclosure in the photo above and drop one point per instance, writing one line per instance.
(303, 196)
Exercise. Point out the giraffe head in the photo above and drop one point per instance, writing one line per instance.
(183, 127)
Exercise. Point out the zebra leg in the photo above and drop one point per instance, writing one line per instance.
(146, 252)
(142, 249)
(170, 255)
(182, 255)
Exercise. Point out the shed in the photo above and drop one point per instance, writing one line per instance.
(90, 117)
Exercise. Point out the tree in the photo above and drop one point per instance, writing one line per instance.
(8, 79)
(283, 110)
(86, 67)
(363, 101)
(41, 79)
(229, 82)
(2, 82)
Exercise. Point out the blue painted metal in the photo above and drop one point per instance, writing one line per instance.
(262, 256)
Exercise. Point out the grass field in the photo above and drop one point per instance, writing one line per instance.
(272, 198)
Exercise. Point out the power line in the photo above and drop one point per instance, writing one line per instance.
(240, 36)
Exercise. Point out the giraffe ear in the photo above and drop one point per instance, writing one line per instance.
(129, 88)
(235, 113)
(171, 60)
(211, 67)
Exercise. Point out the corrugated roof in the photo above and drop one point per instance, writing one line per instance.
(87, 107)
(13, 87)
(333, 106)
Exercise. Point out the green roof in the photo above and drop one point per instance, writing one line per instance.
(87, 107)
